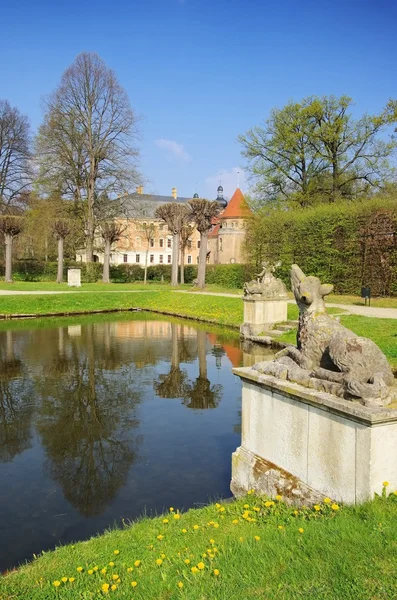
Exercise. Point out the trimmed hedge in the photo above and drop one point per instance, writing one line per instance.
(348, 244)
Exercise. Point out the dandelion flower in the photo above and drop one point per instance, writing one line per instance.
(187, 561)
(165, 520)
(160, 537)
(196, 527)
(281, 526)
(201, 566)
(216, 525)
(212, 541)
(79, 569)
(395, 493)
(113, 588)
(171, 509)
(116, 552)
(64, 579)
(385, 483)
(216, 572)
(279, 498)
(177, 516)
(96, 568)
(56, 583)
(217, 505)
(184, 530)
(162, 555)
(137, 563)
(111, 564)
(194, 570)
(103, 571)
(71, 579)
(90, 571)
(250, 492)
(296, 513)
(129, 570)
(301, 530)
(256, 509)
(257, 538)
(105, 587)
(159, 562)
(241, 539)
(222, 509)
(180, 584)
(327, 500)
(134, 583)
(246, 506)
(335, 507)
(268, 504)
(115, 577)
(317, 507)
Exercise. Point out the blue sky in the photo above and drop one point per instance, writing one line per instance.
(199, 72)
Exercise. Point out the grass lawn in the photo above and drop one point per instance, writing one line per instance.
(252, 548)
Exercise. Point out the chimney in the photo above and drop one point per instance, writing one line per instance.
(139, 189)
(174, 193)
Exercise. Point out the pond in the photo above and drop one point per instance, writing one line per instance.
(104, 418)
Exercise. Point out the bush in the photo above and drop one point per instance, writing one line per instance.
(229, 276)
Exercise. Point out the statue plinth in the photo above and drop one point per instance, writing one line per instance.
(305, 444)
(261, 313)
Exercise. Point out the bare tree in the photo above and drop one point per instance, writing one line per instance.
(148, 231)
(61, 230)
(86, 143)
(10, 226)
(202, 213)
(111, 232)
(15, 171)
(186, 233)
(175, 216)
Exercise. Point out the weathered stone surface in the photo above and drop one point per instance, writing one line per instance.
(74, 277)
(330, 357)
(266, 285)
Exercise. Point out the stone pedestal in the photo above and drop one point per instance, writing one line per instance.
(306, 445)
(74, 277)
(261, 315)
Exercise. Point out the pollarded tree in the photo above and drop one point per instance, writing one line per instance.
(15, 169)
(202, 213)
(175, 216)
(10, 226)
(86, 144)
(61, 229)
(186, 233)
(111, 232)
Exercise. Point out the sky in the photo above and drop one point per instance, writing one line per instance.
(200, 72)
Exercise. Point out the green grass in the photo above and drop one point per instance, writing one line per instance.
(348, 553)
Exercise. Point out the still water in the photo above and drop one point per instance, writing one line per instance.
(104, 418)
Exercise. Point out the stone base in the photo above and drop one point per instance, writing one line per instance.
(251, 472)
(261, 315)
(306, 444)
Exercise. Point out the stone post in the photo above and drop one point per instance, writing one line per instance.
(74, 277)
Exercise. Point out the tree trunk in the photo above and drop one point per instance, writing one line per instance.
(106, 263)
(202, 354)
(175, 259)
(8, 273)
(145, 274)
(182, 265)
(60, 260)
(89, 250)
(202, 260)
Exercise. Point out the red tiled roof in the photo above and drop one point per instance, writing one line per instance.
(237, 206)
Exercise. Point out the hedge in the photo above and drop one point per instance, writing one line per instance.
(348, 244)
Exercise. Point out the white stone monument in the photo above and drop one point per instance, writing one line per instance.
(74, 277)
(265, 302)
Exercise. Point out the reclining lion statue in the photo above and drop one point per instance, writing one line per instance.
(329, 357)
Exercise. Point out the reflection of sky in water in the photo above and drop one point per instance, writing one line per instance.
(101, 419)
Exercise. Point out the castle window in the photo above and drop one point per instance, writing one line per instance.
(161, 243)
(152, 258)
(189, 260)
(152, 243)
(125, 258)
(169, 243)
(138, 258)
(169, 258)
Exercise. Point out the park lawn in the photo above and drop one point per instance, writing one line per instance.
(251, 548)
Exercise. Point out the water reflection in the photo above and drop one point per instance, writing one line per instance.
(93, 416)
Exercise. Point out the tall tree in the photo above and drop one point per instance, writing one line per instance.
(148, 231)
(61, 230)
(111, 232)
(10, 226)
(186, 233)
(202, 213)
(15, 169)
(86, 144)
(175, 216)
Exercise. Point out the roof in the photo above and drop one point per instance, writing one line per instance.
(215, 231)
(144, 205)
(237, 207)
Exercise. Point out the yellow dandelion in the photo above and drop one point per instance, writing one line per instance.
(246, 506)
(194, 570)
(103, 571)
(327, 500)
(281, 526)
(105, 587)
(268, 504)
(250, 492)
(90, 571)
(184, 530)
(116, 552)
(111, 564)
(395, 493)
(177, 516)
(79, 569)
(162, 555)
(279, 498)
(217, 505)
(301, 530)
(159, 562)
(95, 568)
(56, 583)
(296, 513)
(385, 483)
(134, 583)
(317, 507)
(113, 588)
(171, 509)
(160, 537)
(201, 566)
(115, 577)
(64, 579)
(215, 549)
(129, 570)
(335, 507)
(212, 541)
(180, 584)
(235, 521)
(256, 509)
(165, 520)
(222, 509)
(216, 525)
(137, 563)
(216, 572)
(71, 579)
(196, 527)
(204, 555)
(187, 561)
(257, 538)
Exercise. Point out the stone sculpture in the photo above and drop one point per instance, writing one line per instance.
(329, 357)
(266, 286)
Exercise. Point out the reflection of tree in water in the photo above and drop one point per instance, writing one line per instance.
(174, 384)
(16, 402)
(85, 422)
(203, 395)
